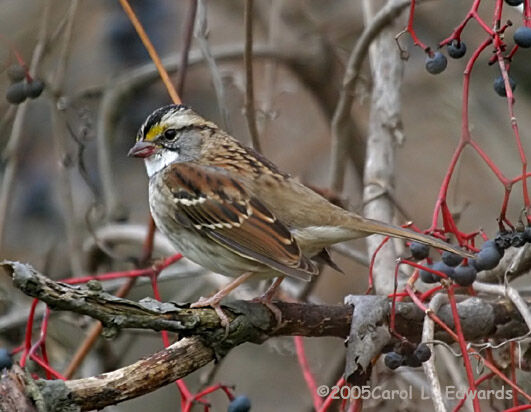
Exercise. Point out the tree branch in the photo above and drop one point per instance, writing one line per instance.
(60, 144)
(341, 118)
(252, 321)
(17, 130)
(203, 338)
(383, 134)
(250, 113)
(201, 34)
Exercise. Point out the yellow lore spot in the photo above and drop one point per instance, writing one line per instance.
(153, 133)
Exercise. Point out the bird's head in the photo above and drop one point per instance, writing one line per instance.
(170, 134)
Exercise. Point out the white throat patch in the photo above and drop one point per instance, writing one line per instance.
(160, 160)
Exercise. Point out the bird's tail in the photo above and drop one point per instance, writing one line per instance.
(372, 226)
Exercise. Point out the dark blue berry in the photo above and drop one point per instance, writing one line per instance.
(6, 361)
(464, 275)
(428, 277)
(436, 63)
(501, 242)
(491, 242)
(487, 258)
(16, 73)
(16, 93)
(499, 85)
(514, 2)
(451, 259)
(444, 268)
(240, 404)
(412, 361)
(422, 352)
(456, 49)
(522, 37)
(393, 360)
(419, 250)
(34, 88)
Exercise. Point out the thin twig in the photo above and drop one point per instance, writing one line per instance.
(271, 67)
(60, 133)
(250, 113)
(306, 372)
(429, 366)
(354, 254)
(127, 233)
(12, 147)
(150, 236)
(511, 293)
(151, 50)
(201, 34)
(184, 54)
(185, 48)
(208, 377)
(341, 117)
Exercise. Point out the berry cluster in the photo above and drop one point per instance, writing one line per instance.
(22, 86)
(436, 62)
(407, 354)
(464, 272)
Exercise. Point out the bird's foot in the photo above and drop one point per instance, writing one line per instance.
(264, 300)
(214, 300)
(267, 297)
(214, 303)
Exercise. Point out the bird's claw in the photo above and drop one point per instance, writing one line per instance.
(214, 304)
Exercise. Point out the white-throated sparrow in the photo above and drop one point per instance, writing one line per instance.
(229, 209)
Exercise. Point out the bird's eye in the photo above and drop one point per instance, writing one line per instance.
(170, 134)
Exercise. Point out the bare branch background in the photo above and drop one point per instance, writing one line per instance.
(333, 104)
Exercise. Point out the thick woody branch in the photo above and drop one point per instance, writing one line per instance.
(131, 381)
(252, 321)
(203, 338)
(13, 391)
(144, 376)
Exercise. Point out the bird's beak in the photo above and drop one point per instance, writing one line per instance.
(142, 149)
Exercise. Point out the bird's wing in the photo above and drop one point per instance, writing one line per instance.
(218, 206)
